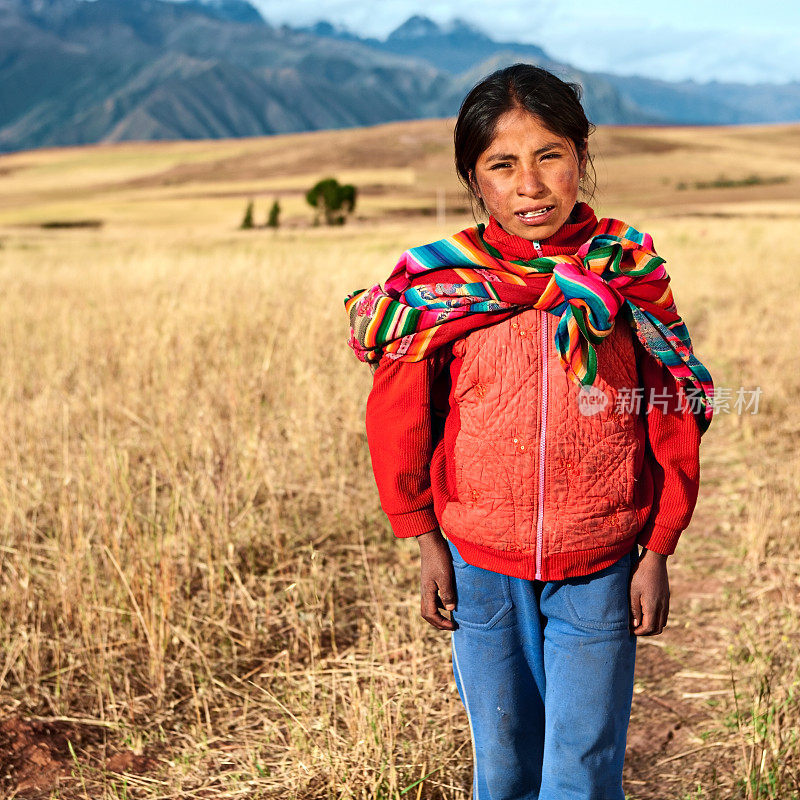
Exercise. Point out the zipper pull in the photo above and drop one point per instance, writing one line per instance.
(538, 248)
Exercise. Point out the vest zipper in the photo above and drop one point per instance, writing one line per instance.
(542, 439)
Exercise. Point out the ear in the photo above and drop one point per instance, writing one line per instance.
(583, 158)
(474, 184)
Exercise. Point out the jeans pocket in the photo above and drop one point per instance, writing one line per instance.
(600, 601)
(483, 598)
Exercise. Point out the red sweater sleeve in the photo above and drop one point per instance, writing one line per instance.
(673, 455)
(400, 437)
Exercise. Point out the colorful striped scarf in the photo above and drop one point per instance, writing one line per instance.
(441, 291)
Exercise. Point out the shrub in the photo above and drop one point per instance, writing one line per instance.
(274, 214)
(332, 200)
(247, 221)
(723, 182)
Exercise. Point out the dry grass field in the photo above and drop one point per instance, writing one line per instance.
(199, 594)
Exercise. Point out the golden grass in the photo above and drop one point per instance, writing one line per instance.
(193, 560)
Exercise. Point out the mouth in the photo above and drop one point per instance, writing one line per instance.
(534, 215)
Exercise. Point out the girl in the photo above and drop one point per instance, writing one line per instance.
(536, 401)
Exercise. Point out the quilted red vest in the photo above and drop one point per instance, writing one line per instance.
(534, 476)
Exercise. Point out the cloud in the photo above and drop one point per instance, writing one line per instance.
(674, 55)
(724, 42)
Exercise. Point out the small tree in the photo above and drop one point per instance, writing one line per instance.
(247, 222)
(274, 213)
(334, 201)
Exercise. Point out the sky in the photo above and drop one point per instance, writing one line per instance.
(737, 40)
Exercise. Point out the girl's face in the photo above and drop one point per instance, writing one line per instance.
(528, 176)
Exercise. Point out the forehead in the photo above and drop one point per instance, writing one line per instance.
(521, 128)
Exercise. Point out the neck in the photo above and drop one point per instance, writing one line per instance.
(565, 241)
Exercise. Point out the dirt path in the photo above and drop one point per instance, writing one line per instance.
(678, 748)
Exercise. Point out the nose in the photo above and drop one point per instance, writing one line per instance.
(529, 181)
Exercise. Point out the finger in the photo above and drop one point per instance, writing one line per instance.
(665, 614)
(659, 618)
(430, 609)
(636, 609)
(648, 623)
(447, 591)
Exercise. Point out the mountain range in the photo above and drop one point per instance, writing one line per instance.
(78, 72)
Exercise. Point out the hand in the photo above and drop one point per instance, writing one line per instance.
(649, 594)
(437, 581)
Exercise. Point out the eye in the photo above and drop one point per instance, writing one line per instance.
(500, 165)
(551, 155)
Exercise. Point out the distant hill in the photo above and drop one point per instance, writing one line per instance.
(455, 48)
(713, 103)
(76, 72)
(466, 52)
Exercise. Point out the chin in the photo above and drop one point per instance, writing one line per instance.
(534, 234)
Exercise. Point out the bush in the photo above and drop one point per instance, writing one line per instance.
(722, 182)
(247, 221)
(332, 200)
(274, 213)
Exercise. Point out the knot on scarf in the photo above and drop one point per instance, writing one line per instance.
(587, 310)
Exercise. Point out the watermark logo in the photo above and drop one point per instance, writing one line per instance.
(726, 400)
(591, 400)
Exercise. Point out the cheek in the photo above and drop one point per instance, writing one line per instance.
(492, 194)
(567, 181)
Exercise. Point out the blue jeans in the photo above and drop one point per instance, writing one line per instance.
(545, 672)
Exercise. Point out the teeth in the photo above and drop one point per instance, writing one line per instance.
(532, 214)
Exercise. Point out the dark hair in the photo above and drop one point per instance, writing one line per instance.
(556, 103)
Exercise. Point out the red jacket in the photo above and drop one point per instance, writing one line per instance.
(408, 398)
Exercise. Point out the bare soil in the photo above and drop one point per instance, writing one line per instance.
(37, 756)
(667, 755)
